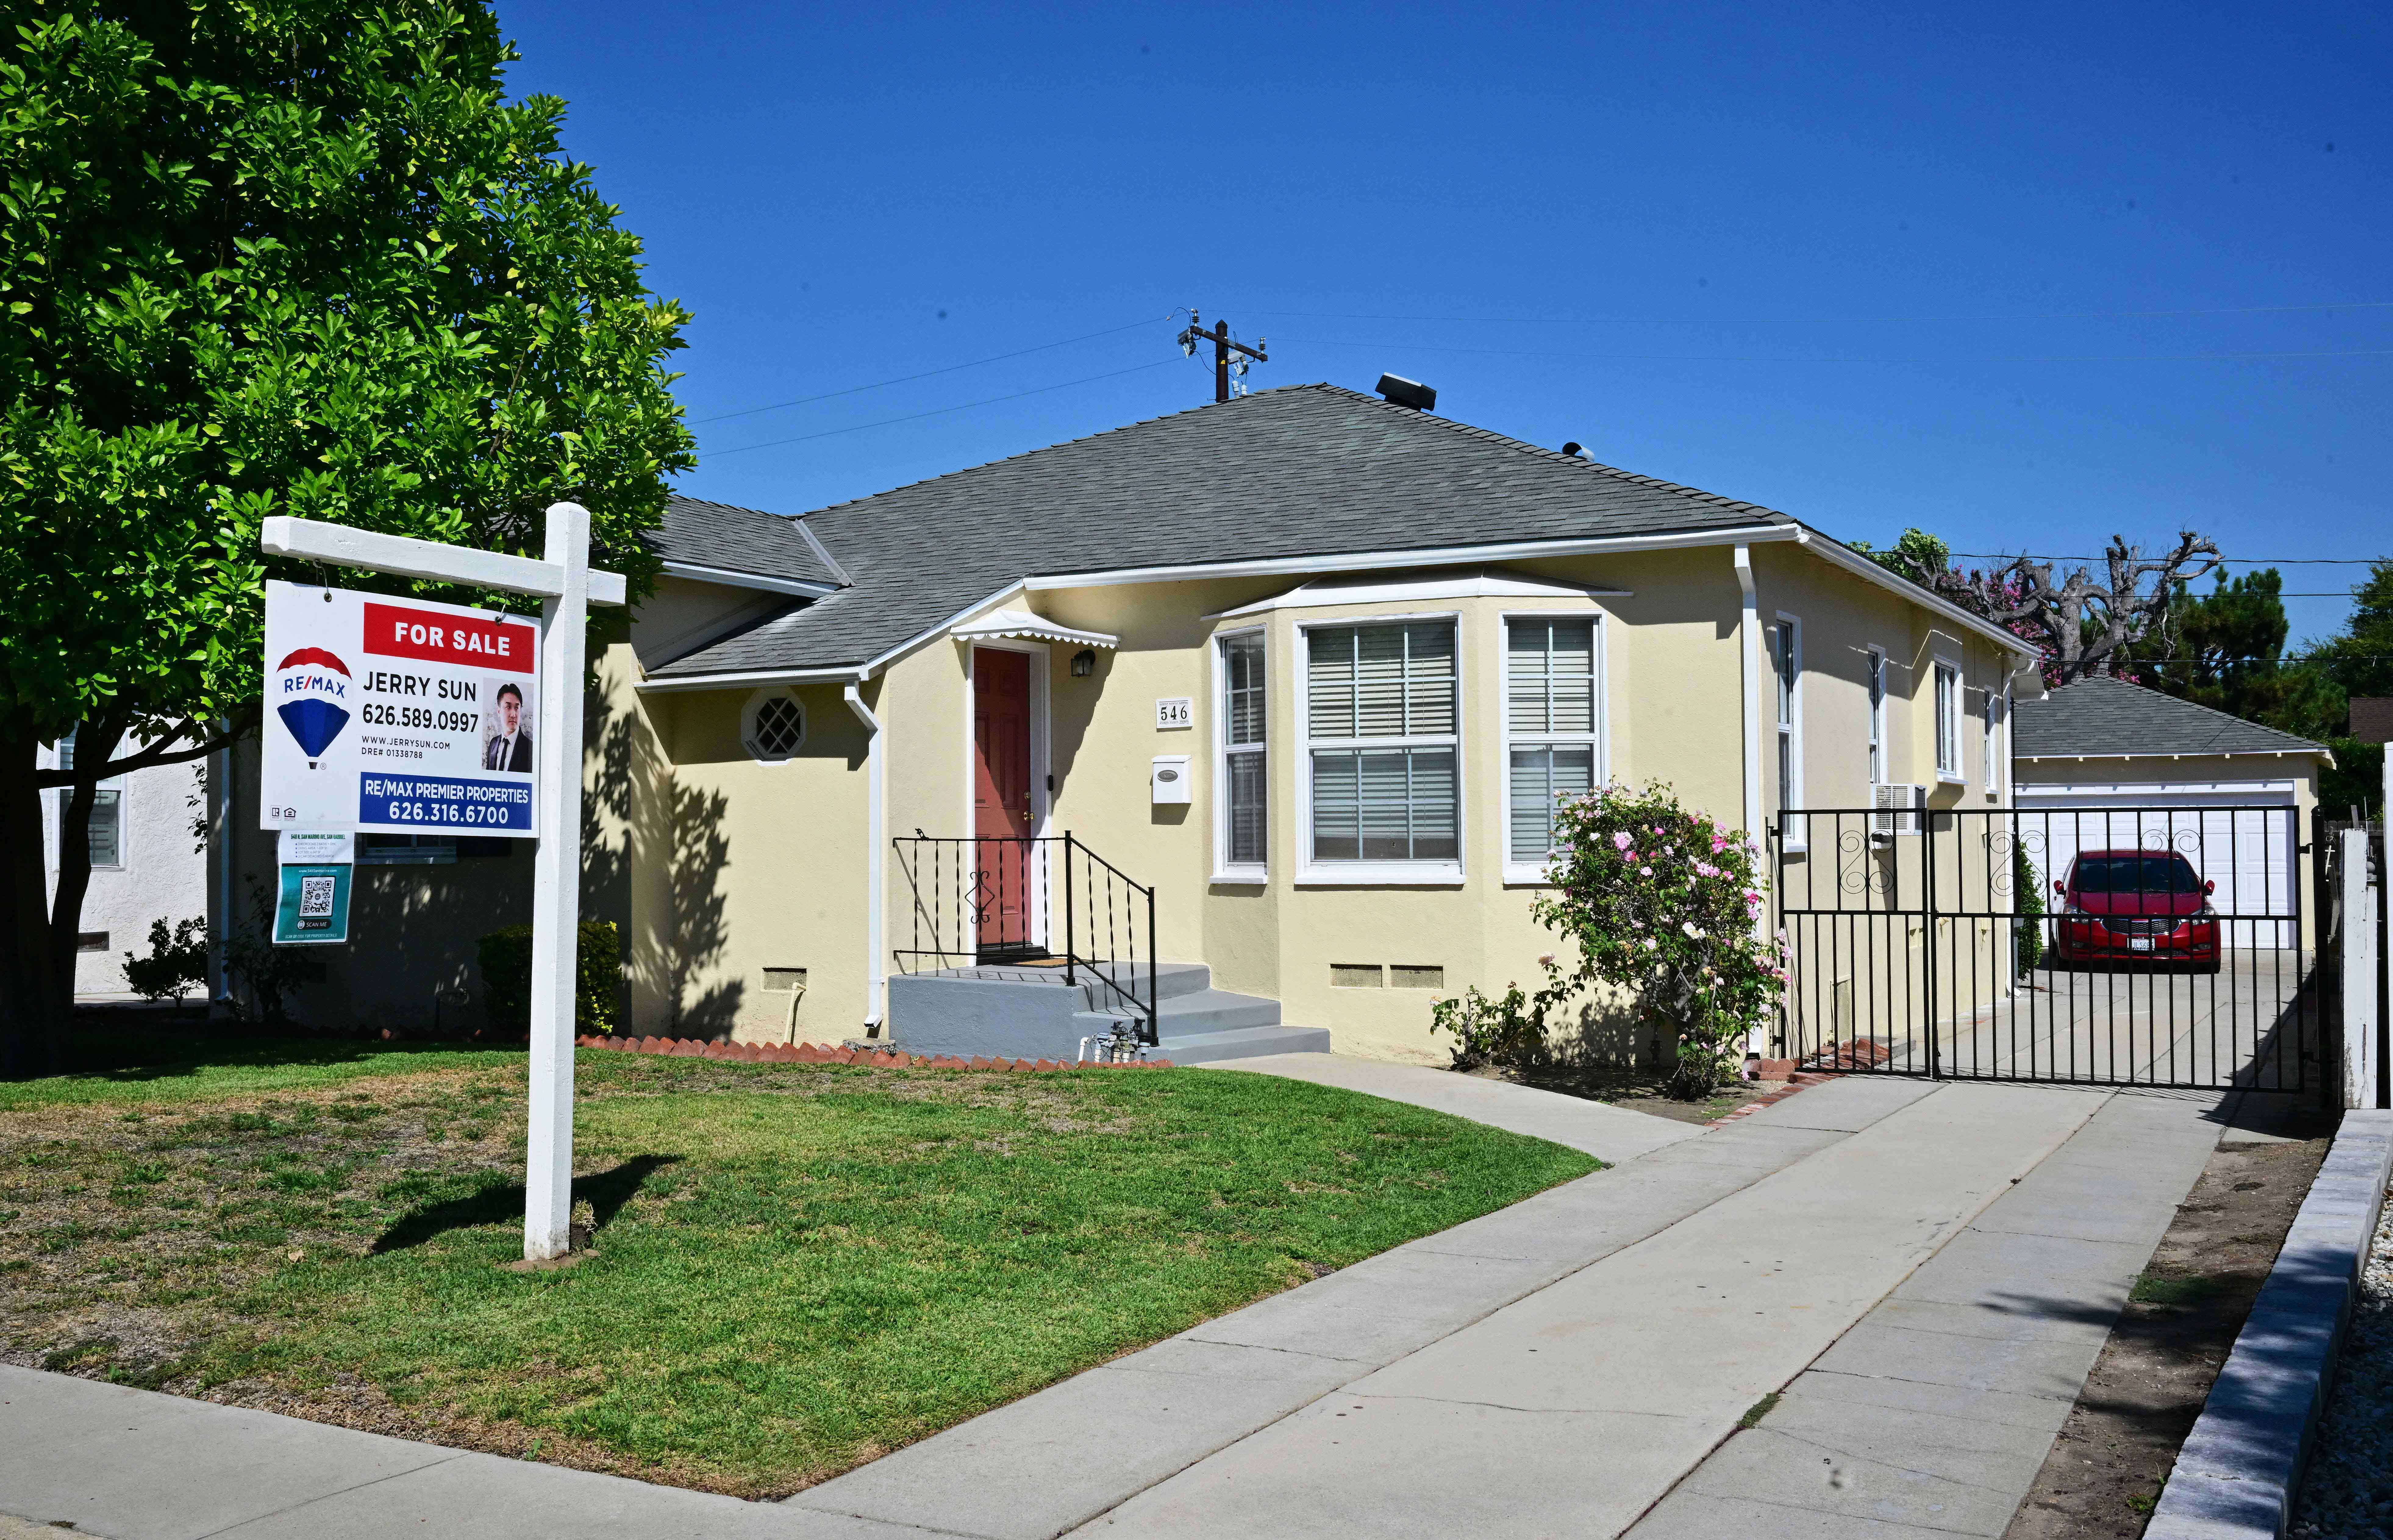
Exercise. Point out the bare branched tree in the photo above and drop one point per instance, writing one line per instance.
(2080, 624)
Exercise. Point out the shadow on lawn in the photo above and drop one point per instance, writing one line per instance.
(129, 1058)
(503, 1203)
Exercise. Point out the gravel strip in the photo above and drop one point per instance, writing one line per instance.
(2348, 1492)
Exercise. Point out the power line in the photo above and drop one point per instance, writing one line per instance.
(1717, 358)
(907, 379)
(2232, 561)
(941, 412)
(1834, 321)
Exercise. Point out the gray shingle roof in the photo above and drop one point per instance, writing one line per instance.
(1302, 470)
(2102, 716)
(744, 539)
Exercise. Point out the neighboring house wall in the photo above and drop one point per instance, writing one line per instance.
(158, 869)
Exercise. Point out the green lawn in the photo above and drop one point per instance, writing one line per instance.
(797, 1268)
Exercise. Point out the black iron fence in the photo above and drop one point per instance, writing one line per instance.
(2162, 946)
(1048, 903)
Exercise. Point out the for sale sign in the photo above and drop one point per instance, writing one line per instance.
(396, 714)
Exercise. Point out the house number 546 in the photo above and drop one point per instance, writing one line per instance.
(1177, 711)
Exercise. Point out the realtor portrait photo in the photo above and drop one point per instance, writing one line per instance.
(510, 745)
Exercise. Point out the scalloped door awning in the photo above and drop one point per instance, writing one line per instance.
(1023, 625)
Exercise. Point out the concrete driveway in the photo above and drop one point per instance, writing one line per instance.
(2251, 1025)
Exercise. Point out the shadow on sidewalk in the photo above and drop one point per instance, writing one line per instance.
(501, 1203)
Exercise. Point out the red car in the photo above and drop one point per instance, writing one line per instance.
(2136, 905)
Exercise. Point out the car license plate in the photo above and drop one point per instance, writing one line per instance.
(2140, 943)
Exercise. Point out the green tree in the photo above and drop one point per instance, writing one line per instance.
(2359, 657)
(2225, 649)
(287, 257)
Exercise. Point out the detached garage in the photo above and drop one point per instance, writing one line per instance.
(2102, 765)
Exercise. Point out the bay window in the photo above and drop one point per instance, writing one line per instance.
(1381, 729)
(1552, 729)
(1245, 799)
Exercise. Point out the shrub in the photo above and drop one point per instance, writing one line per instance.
(598, 974)
(178, 962)
(1509, 1030)
(2027, 932)
(1663, 904)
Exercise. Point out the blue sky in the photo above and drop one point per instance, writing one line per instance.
(2001, 273)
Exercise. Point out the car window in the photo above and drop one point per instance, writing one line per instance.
(2136, 874)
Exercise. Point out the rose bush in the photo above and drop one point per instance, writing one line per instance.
(1664, 904)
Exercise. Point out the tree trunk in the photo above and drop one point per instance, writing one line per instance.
(95, 746)
(34, 1010)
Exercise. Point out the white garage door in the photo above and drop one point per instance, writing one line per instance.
(2242, 838)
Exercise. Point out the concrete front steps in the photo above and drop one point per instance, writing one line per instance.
(1026, 1011)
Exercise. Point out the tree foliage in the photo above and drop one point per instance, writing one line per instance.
(289, 256)
(2082, 624)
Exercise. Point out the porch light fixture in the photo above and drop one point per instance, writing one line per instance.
(1084, 662)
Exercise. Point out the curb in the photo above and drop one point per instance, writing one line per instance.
(2241, 1467)
(809, 1053)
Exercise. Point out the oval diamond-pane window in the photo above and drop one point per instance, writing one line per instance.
(779, 726)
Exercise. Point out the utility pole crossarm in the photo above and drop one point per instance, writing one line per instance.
(1223, 345)
(339, 545)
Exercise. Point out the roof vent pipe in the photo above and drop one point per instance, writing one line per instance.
(1572, 449)
(1402, 392)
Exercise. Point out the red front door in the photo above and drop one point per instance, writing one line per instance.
(1001, 795)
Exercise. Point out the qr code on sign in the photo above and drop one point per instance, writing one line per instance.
(316, 897)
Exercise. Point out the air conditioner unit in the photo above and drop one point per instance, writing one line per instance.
(1897, 810)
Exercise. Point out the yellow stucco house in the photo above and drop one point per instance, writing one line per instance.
(1306, 669)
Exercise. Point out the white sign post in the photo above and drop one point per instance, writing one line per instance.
(567, 587)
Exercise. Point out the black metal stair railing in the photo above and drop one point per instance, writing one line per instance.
(1045, 903)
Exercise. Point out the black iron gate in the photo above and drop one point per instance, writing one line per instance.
(2161, 946)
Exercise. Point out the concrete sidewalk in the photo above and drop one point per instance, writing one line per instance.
(1611, 1134)
(1558, 1366)
(1571, 1410)
(1933, 1414)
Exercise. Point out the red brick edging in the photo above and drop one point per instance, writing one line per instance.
(1795, 1082)
(810, 1053)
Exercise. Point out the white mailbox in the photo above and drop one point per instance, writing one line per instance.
(1169, 779)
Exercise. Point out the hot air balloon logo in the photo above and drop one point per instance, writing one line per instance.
(311, 694)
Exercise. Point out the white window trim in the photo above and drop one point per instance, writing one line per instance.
(1311, 873)
(1238, 873)
(1041, 765)
(1528, 874)
(755, 703)
(1954, 773)
(1790, 732)
(1998, 727)
(1878, 764)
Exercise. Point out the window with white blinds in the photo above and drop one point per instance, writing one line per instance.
(1380, 725)
(1553, 709)
(1245, 808)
